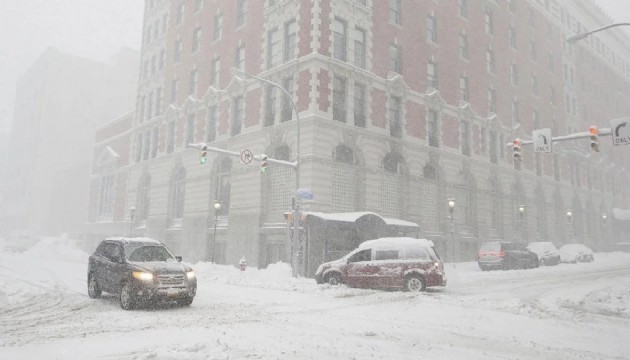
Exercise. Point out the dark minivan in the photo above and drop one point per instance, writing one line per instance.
(387, 263)
(506, 256)
(140, 271)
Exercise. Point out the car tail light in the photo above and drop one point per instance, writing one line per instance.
(492, 253)
(501, 253)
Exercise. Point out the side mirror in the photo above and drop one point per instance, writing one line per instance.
(178, 258)
(117, 258)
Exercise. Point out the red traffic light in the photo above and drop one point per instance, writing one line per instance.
(593, 130)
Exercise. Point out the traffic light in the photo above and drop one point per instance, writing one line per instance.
(203, 154)
(263, 163)
(517, 145)
(594, 135)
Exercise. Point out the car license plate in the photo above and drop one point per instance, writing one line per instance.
(172, 292)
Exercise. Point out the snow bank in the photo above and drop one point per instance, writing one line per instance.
(58, 249)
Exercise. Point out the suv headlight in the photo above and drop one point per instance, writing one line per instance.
(140, 275)
(190, 274)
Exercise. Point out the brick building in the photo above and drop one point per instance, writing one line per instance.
(402, 105)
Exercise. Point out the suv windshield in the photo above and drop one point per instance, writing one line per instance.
(149, 253)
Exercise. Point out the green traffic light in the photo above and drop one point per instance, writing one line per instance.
(203, 160)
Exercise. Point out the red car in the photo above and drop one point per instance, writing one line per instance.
(387, 263)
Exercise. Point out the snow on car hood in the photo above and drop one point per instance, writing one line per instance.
(161, 267)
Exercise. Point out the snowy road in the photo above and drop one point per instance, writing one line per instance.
(563, 312)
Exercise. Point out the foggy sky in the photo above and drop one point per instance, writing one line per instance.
(94, 29)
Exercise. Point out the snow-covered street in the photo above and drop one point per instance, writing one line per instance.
(568, 311)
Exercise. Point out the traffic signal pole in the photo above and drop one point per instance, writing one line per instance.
(237, 154)
(580, 135)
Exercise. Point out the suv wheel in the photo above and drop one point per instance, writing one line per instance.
(333, 279)
(186, 301)
(414, 283)
(127, 302)
(94, 291)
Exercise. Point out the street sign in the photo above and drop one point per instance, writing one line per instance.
(247, 156)
(542, 140)
(620, 129)
(305, 194)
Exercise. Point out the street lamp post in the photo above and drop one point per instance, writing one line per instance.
(603, 230)
(132, 218)
(521, 215)
(296, 208)
(570, 224)
(217, 208)
(579, 36)
(451, 209)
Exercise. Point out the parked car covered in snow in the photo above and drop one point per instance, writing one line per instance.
(506, 256)
(547, 252)
(387, 263)
(139, 271)
(574, 253)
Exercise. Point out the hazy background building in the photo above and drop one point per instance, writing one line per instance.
(59, 101)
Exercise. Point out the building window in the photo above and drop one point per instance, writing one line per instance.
(224, 186)
(515, 112)
(394, 58)
(432, 77)
(218, 27)
(535, 84)
(146, 149)
(178, 194)
(170, 137)
(395, 116)
(490, 61)
(489, 21)
(465, 129)
(177, 51)
(395, 11)
(290, 40)
(513, 43)
(106, 202)
(154, 142)
(158, 101)
(190, 129)
(149, 110)
(237, 116)
(463, 88)
(359, 48)
(144, 198)
(162, 61)
(514, 74)
(556, 167)
(270, 105)
(287, 104)
(434, 130)
(180, 13)
(512, 5)
(492, 100)
(462, 5)
(192, 82)
(138, 150)
(339, 99)
(174, 89)
(339, 39)
(533, 54)
(198, 5)
(359, 105)
(273, 48)
(196, 41)
(239, 57)
(216, 72)
(211, 124)
(241, 12)
(432, 29)
(484, 140)
(531, 16)
(494, 158)
(463, 45)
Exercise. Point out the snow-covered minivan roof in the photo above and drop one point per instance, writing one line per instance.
(395, 242)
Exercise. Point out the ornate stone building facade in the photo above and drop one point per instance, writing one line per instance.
(402, 104)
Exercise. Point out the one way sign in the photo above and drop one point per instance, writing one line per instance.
(542, 140)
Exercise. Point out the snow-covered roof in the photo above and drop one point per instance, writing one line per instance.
(354, 216)
(396, 242)
(621, 214)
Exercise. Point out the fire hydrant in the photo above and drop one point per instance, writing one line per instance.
(242, 264)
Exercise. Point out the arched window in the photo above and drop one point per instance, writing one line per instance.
(223, 185)
(144, 198)
(393, 162)
(178, 194)
(391, 185)
(344, 185)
